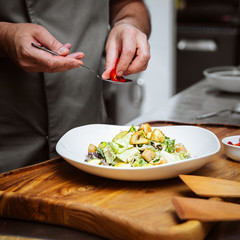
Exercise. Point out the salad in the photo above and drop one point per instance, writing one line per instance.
(140, 147)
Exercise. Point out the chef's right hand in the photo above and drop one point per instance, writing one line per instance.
(15, 42)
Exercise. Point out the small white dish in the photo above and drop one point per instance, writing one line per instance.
(232, 151)
(202, 144)
(226, 78)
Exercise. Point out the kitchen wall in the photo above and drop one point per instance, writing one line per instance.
(159, 78)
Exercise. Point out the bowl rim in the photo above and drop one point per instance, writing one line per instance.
(212, 72)
(226, 139)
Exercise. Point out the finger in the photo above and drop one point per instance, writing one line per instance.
(59, 65)
(46, 62)
(77, 55)
(47, 40)
(68, 45)
(111, 58)
(127, 54)
(140, 62)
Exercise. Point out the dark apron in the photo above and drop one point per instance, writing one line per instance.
(36, 109)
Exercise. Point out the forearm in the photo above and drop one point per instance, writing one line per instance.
(131, 12)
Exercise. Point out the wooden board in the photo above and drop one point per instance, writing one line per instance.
(57, 193)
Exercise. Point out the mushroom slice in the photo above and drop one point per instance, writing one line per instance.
(148, 155)
(138, 138)
(157, 136)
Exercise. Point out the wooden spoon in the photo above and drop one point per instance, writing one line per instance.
(206, 210)
(212, 187)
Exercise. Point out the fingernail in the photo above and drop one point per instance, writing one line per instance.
(63, 50)
(80, 56)
(127, 73)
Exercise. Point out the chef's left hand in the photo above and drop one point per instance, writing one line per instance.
(131, 46)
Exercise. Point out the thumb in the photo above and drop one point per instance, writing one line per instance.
(49, 41)
(59, 48)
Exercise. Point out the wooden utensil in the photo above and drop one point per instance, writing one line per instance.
(212, 187)
(206, 210)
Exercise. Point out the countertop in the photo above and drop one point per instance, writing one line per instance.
(183, 107)
(198, 99)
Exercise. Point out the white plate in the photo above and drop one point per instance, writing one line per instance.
(201, 143)
(226, 78)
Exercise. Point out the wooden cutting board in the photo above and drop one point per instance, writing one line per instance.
(57, 193)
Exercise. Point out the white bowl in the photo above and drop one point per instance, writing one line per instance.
(201, 143)
(226, 78)
(232, 151)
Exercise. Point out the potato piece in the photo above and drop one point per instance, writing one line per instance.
(122, 164)
(146, 128)
(180, 148)
(92, 148)
(138, 138)
(148, 155)
(157, 136)
(94, 161)
(148, 165)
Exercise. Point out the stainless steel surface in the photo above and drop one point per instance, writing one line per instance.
(234, 109)
(124, 102)
(196, 100)
(88, 68)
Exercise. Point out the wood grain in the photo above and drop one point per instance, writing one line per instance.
(206, 210)
(57, 193)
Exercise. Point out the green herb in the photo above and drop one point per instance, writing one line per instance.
(102, 145)
(101, 152)
(132, 129)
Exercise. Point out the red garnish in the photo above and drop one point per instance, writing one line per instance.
(235, 144)
(113, 75)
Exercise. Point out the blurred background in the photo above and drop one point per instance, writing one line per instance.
(187, 37)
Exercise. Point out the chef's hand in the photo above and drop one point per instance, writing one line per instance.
(131, 45)
(15, 42)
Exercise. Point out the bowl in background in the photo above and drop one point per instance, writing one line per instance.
(230, 150)
(226, 78)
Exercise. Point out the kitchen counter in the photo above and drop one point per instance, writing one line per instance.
(183, 107)
(198, 99)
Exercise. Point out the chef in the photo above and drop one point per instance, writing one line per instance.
(43, 96)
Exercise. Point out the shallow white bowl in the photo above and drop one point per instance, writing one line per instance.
(232, 151)
(226, 78)
(201, 143)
